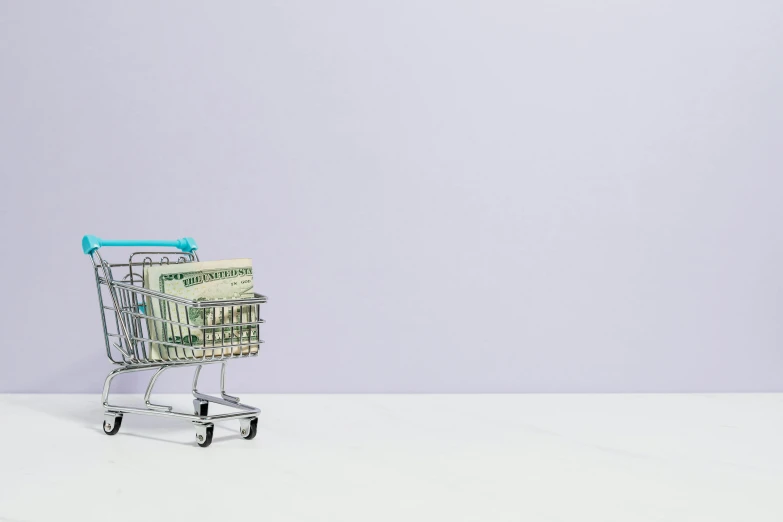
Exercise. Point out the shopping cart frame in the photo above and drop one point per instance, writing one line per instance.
(132, 346)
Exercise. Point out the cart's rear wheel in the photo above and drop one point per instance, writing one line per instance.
(249, 433)
(111, 427)
(204, 434)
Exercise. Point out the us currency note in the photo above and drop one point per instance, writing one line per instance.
(201, 281)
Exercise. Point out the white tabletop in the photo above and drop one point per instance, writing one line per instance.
(402, 457)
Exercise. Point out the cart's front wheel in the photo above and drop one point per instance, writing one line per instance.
(111, 425)
(250, 429)
(204, 434)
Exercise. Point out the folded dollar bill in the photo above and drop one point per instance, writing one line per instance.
(201, 281)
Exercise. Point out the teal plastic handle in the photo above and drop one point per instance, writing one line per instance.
(92, 243)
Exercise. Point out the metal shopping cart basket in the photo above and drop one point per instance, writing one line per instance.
(190, 333)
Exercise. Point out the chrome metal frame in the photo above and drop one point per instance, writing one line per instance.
(157, 409)
(137, 340)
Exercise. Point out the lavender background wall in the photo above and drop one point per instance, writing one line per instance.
(439, 196)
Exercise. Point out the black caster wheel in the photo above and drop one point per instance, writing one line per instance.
(249, 433)
(201, 408)
(111, 427)
(204, 435)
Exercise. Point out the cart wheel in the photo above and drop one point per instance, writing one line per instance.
(112, 427)
(204, 436)
(201, 407)
(250, 433)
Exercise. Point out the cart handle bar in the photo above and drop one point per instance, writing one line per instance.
(91, 243)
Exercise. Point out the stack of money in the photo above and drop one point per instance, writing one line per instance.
(201, 281)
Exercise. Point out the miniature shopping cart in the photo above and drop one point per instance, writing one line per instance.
(189, 333)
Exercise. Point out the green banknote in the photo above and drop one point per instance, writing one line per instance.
(211, 330)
